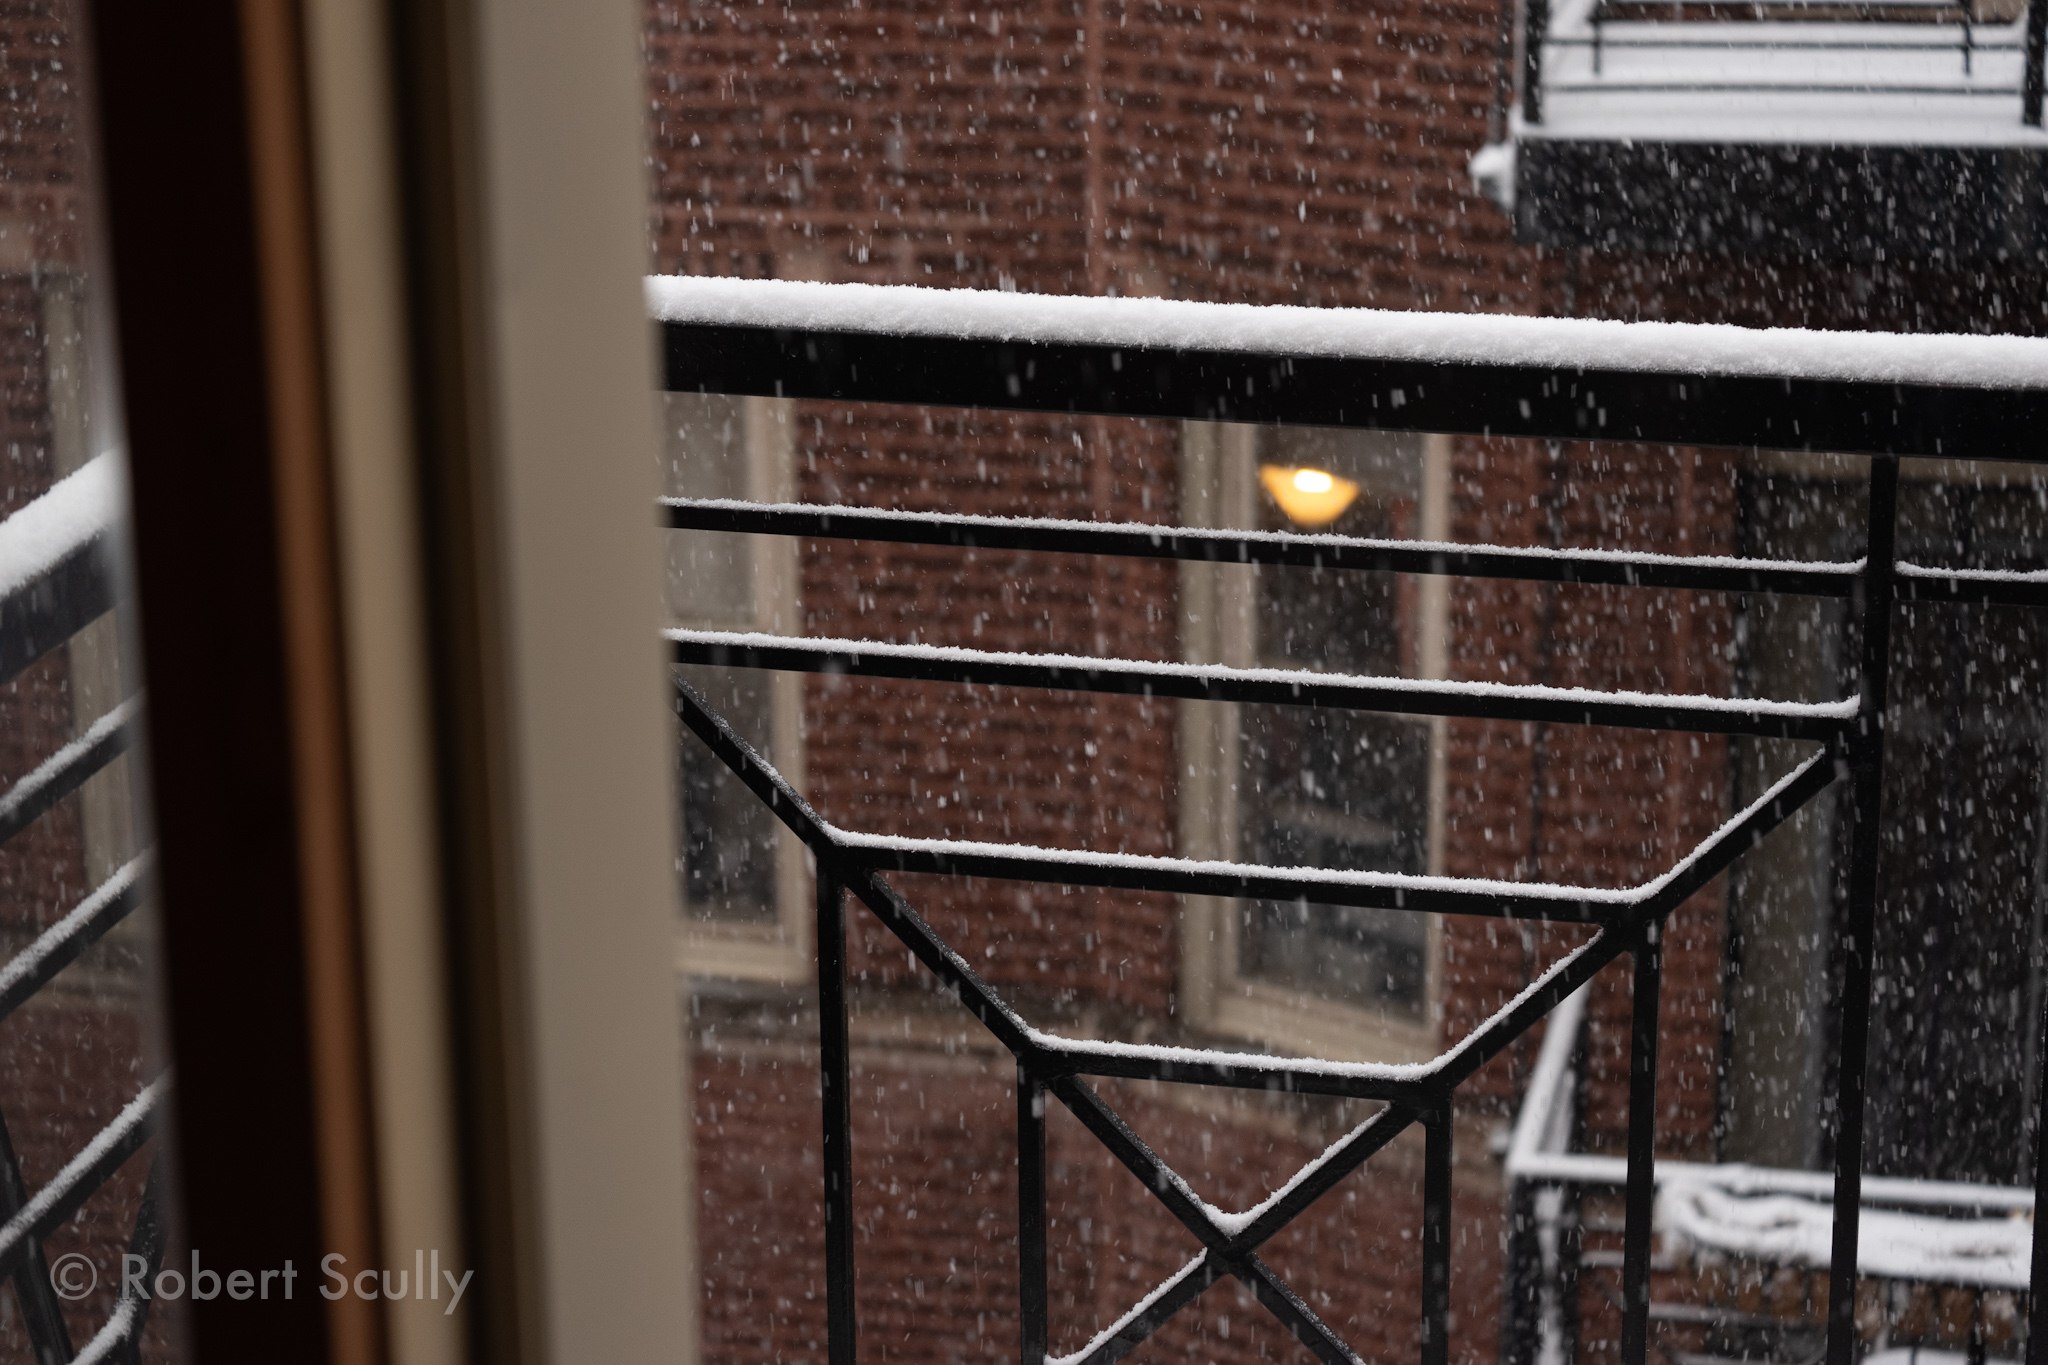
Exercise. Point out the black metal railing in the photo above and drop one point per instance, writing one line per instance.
(1675, 34)
(70, 588)
(1743, 1296)
(1882, 419)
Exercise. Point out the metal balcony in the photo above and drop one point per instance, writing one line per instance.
(1536, 377)
(1944, 1268)
(1910, 128)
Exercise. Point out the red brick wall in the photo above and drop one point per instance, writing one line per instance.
(1592, 806)
(1074, 147)
(936, 1216)
(41, 120)
(1006, 764)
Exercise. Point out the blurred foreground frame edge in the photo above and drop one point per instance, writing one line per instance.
(229, 383)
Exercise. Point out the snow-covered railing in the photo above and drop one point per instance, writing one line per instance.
(56, 572)
(57, 575)
(1916, 1231)
(1882, 395)
(1875, 72)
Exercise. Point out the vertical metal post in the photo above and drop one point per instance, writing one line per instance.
(1535, 23)
(1866, 760)
(2037, 1306)
(1641, 1195)
(1436, 1236)
(1521, 1277)
(834, 1071)
(41, 1313)
(2031, 82)
(1031, 1299)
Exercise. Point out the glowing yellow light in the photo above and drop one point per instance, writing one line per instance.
(1309, 497)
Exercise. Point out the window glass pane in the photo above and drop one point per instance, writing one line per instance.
(1696, 163)
(78, 1044)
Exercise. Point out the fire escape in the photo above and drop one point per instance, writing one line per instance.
(1900, 128)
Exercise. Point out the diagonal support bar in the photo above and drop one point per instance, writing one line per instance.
(65, 771)
(91, 1168)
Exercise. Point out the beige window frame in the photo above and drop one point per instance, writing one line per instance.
(779, 951)
(1219, 602)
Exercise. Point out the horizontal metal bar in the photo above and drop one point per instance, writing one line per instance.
(65, 771)
(56, 947)
(1916, 583)
(91, 1168)
(1755, 88)
(1138, 541)
(1844, 416)
(1613, 42)
(1020, 863)
(1272, 687)
(75, 592)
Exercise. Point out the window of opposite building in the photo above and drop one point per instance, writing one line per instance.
(741, 874)
(1288, 786)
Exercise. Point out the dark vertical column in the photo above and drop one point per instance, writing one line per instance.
(215, 306)
(1031, 1300)
(1521, 1278)
(1642, 1146)
(2037, 1307)
(2031, 82)
(836, 1081)
(1867, 797)
(1535, 23)
(1436, 1236)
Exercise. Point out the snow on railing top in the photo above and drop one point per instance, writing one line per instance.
(43, 534)
(1996, 362)
(1681, 702)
